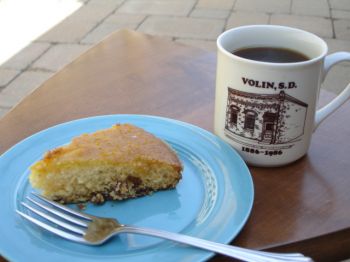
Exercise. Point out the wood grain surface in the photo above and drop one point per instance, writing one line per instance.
(302, 207)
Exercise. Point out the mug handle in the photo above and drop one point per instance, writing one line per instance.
(328, 109)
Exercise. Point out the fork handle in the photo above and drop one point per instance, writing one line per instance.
(228, 250)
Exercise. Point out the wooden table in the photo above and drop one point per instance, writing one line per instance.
(302, 207)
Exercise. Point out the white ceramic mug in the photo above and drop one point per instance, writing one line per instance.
(267, 111)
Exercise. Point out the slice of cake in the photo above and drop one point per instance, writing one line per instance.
(121, 162)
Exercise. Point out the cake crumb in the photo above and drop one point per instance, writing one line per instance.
(98, 199)
(81, 206)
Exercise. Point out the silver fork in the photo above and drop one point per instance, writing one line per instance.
(91, 230)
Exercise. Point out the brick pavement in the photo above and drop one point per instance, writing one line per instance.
(191, 22)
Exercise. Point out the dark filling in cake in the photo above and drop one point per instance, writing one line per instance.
(130, 188)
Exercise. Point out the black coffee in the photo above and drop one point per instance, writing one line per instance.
(271, 54)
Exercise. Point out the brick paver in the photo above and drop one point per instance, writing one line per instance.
(111, 24)
(317, 25)
(216, 4)
(184, 27)
(27, 56)
(76, 26)
(342, 29)
(240, 18)
(22, 86)
(123, 18)
(210, 13)
(311, 7)
(111, 4)
(340, 4)
(3, 111)
(95, 11)
(336, 45)
(6, 76)
(69, 31)
(340, 14)
(58, 56)
(156, 7)
(104, 30)
(270, 6)
(191, 22)
(203, 44)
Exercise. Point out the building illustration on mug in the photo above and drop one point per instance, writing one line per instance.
(266, 119)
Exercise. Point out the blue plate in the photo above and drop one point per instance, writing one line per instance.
(212, 201)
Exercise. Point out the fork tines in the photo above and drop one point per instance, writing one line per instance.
(70, 224)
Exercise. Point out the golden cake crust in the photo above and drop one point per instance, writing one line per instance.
(119, 144)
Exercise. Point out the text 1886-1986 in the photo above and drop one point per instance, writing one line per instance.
(265, 152)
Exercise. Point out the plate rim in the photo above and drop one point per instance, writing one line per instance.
(133, 117)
